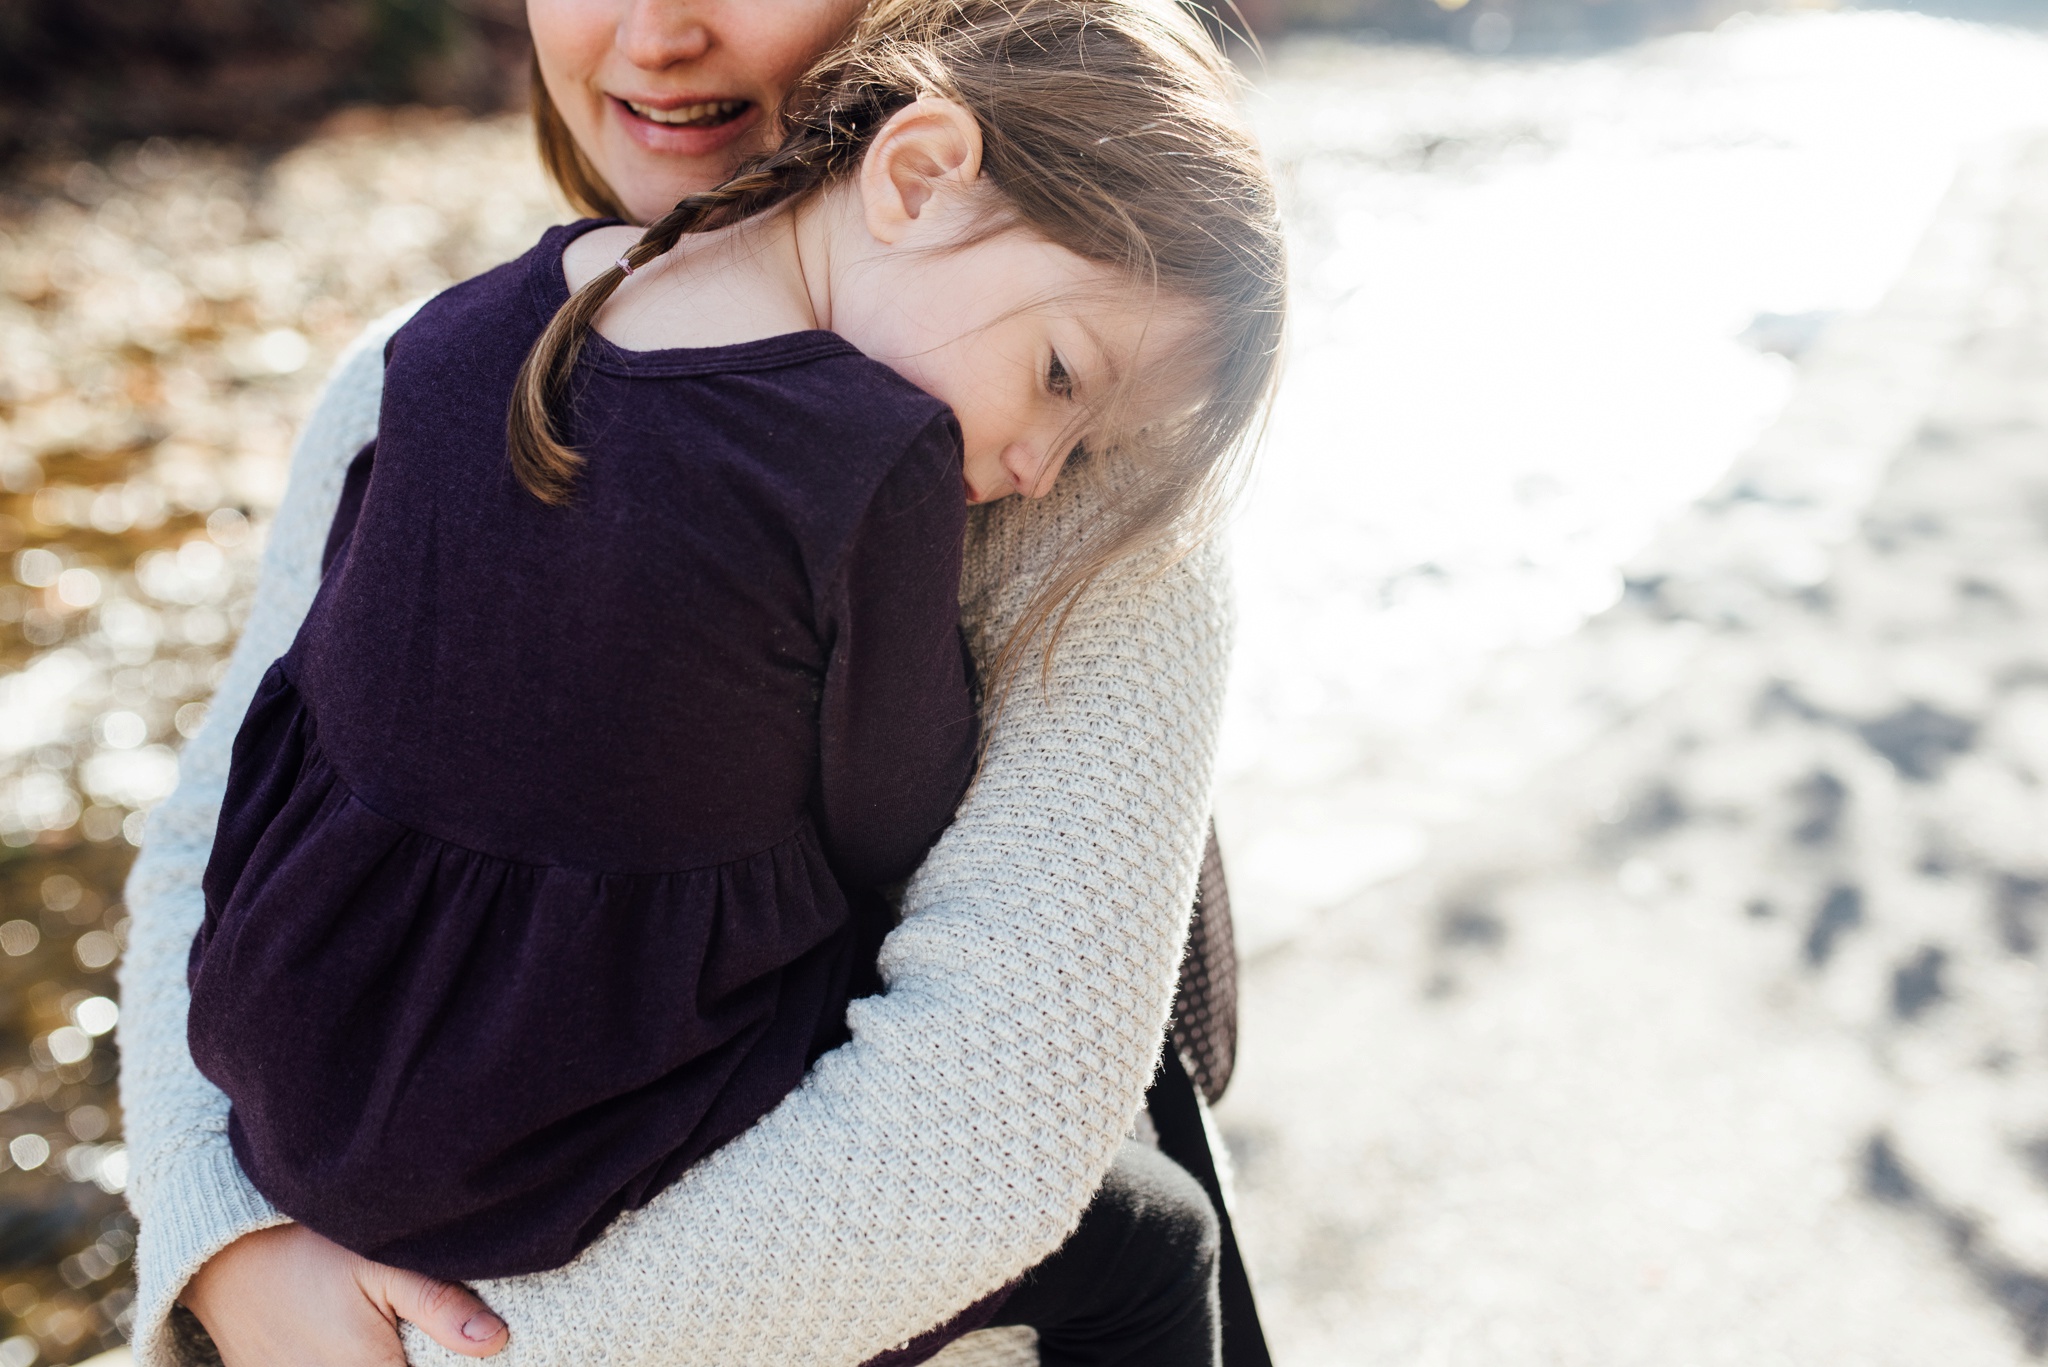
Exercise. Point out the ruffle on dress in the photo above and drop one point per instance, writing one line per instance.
(496, 1040)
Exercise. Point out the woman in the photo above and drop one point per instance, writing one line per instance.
(955, 1142)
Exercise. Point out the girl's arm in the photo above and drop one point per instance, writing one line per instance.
(896, 723)
(956, 1139)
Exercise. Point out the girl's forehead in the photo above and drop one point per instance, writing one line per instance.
(1133, 325)
(1095, 294)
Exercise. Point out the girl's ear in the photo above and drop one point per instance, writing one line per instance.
(928, 148)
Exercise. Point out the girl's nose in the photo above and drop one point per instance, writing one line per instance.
(1025, 466)
(1030, 469)
(661, 33)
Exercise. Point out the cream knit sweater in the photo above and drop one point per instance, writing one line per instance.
(951, 1144)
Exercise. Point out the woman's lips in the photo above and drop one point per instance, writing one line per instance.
(712, 125)
(709, 113)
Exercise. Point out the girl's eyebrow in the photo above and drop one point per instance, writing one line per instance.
(1104, 358)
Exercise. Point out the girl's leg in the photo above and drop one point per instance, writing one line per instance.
(1136, 1284)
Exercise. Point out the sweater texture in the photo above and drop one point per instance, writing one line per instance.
(954, 1141)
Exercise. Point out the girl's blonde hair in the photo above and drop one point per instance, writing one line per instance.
(1108, 128)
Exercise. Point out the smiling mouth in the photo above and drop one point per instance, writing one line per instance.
(708, 114)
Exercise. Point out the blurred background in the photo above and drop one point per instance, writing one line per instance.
(1636, 771)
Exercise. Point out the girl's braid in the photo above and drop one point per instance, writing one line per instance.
(813, 152)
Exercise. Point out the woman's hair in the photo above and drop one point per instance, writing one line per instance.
(563, 158)
(1109, 129)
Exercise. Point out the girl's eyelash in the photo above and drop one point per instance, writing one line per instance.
(1059, 381)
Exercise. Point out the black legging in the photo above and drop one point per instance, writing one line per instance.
(1135, 1285)
(1153, 1277)
(1177, 1115)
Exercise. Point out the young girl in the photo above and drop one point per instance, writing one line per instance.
(514, 913)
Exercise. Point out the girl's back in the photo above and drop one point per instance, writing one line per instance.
(565, 822)
(652, 652)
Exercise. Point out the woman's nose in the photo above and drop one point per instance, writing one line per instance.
(661, 33)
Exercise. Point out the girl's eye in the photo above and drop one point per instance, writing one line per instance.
(1058, 381)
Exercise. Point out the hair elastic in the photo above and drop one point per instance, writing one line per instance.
(623, 264)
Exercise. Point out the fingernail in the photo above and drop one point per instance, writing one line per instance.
(482, 1326)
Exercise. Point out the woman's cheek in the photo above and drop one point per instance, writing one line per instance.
(570, 40)
(779, 39)
(572, 37)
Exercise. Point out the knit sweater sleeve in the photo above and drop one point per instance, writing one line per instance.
(956, 1139)
(188, 1192)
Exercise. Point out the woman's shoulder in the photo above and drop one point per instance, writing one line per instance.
(344, 416)
(1014, 544)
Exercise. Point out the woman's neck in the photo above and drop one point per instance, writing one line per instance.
(765, 277)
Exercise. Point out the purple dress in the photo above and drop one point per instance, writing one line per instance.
(552, 850)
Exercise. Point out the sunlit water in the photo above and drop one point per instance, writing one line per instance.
(1535, 306)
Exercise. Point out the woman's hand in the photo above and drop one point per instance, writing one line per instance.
(287, 1296)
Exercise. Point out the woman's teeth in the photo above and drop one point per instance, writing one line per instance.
(710, 112)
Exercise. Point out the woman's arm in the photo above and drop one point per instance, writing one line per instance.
(185, 1186)
(954, 1142)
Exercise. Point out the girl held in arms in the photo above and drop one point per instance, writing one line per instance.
(558, 847)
